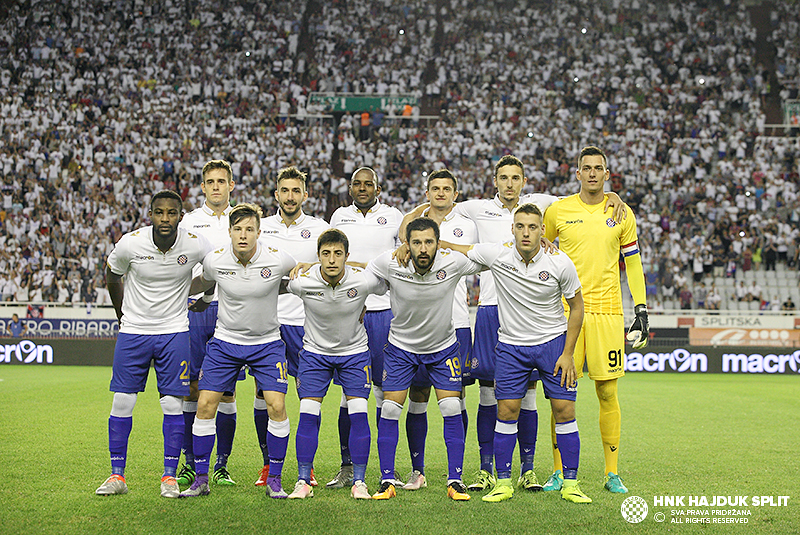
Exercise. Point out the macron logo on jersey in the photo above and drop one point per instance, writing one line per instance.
(225, 272)
(145, 257)
(492, 214)
(269, 232)
(316, 294)
(404, 276)
(508, 267)
(573, 222)
(347, 220)
(206, 225)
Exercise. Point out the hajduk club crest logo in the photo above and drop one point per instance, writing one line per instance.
(265, 273)
(611, 223)
(543, 276)
(352, 292)
(381, 220)
(458, 233)
(182, 259)
(634, 509)
(305, 234)
(441, 274)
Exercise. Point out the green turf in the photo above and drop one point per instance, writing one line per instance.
(682, 435)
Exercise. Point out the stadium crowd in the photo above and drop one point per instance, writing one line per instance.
(105, 102)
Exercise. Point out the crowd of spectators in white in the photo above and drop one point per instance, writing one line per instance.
(103, 102)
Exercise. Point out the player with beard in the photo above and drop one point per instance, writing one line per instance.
(422, 336)
(290, 230)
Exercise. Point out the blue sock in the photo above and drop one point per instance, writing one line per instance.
(528, 427)
(260, 418)
(416, 433)
(278, 440)
(172, 428)
(487, 415)
(188, 449)
(569, 444)
(344, 435)
(454, 442)
(306, 442)
(203, 444)
(359, 444)
(119, 429)
(388, 435)
(505, 439)
(226, 430)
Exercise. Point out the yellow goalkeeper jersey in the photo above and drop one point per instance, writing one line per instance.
(593, 241)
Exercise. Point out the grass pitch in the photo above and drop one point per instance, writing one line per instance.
(698, 435)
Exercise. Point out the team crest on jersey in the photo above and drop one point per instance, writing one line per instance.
(385, 375)
(352, 292)
(441, 274)
(543, 275)
(382, 220)
(265, 273)
(305, 233)
(474, 363)
(458, 232)
(200, 375)
(182, 259)
(611, 223)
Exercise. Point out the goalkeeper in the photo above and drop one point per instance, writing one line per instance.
(594, 241)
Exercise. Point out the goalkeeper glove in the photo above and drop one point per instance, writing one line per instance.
(639, 333)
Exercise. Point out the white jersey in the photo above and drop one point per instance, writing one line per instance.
(333, 314)
(494, 221)
(369, 236)
(156, 284)
(458, 229)
(422, 305)
(300, 239)
(216, 230)
(248, 295)
(530, 308)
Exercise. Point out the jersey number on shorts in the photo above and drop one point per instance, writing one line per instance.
(185, 372)
(281, 370)
(368, 370)
(455, 367)
(615, 358)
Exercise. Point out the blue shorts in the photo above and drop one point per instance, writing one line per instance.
(482, 364)
(377, 326)
(292, 336)
(201, 329)
(400, 367)
(169, 354)
(464, 338)
(516, 364)
(350, 371)
(267, 363)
